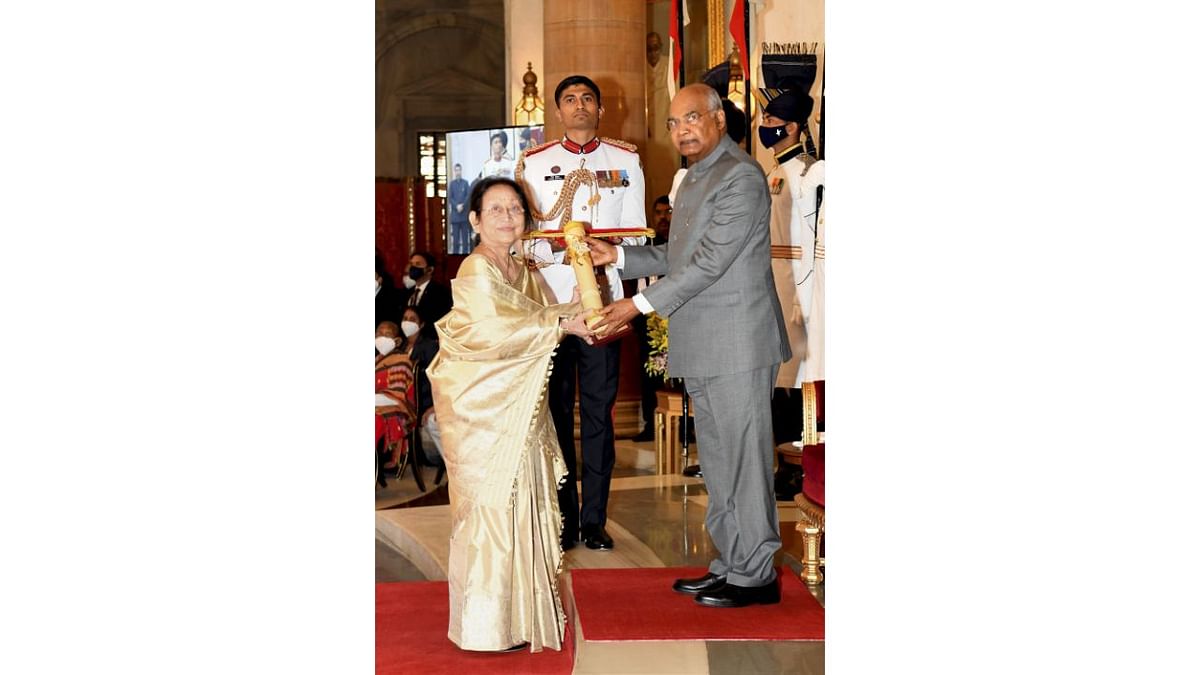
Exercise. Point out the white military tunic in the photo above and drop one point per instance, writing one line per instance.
(622, 192)
(814, 366)
(501, 167)
(793, 190)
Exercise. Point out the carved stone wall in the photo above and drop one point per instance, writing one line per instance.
(438, 66)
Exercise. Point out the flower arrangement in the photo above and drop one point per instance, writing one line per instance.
(656, 333)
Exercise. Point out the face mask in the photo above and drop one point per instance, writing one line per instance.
(409, 283)
(415, 272)
(771, 135)
(410, 328)
(385, 344)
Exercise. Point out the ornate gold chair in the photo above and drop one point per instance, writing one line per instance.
(811, 498)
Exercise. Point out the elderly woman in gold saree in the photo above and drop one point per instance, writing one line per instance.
(502, 456)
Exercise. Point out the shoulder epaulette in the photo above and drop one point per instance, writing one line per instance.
(624, 145)
(519, 174)
(537, 148)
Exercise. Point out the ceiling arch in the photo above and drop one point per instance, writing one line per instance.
(430, 21)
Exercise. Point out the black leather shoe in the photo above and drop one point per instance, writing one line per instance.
(645, 435)
(567, 544)
(515, 648)
(596, 538)
(708, 582)
(731, 595)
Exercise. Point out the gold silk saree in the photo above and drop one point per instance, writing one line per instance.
(502, 459)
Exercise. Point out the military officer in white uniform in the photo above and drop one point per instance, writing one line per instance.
(499, 163)
(597, 181)
(792, 182)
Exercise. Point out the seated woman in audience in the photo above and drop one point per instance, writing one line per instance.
(423, 346)
(502, 456)
(395, 392)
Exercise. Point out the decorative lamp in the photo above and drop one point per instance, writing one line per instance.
(529, 111)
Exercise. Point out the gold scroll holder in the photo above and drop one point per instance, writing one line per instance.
(579, 257)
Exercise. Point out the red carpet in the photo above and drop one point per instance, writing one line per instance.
(638, 604)
(411, 619)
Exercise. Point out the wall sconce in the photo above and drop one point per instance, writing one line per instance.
(529, 111)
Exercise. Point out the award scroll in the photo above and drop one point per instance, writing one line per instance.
(580, 259)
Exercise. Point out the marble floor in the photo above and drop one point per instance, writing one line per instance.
(654, 520)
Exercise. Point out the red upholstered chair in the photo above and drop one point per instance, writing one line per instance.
(811, 499)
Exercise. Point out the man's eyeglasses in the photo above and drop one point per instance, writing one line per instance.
(689, 119)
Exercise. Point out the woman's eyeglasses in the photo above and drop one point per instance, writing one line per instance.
(515, 212)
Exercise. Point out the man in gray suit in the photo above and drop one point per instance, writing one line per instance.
(727, 340)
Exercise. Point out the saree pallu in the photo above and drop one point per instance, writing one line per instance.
(502, 459)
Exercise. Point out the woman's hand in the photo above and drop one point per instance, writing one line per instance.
(578, 327)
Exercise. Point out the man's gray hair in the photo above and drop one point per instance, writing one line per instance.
(713, 98)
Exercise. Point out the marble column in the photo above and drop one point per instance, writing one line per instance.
(605, 41)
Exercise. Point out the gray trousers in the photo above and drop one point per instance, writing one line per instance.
(736, 446)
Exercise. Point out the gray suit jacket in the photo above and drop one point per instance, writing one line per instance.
(718, 288)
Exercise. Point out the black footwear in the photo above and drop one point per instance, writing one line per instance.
(708, 582)
(567, 544)
(595, 537)
(731, 595)
(645, 435)
(515, 648)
